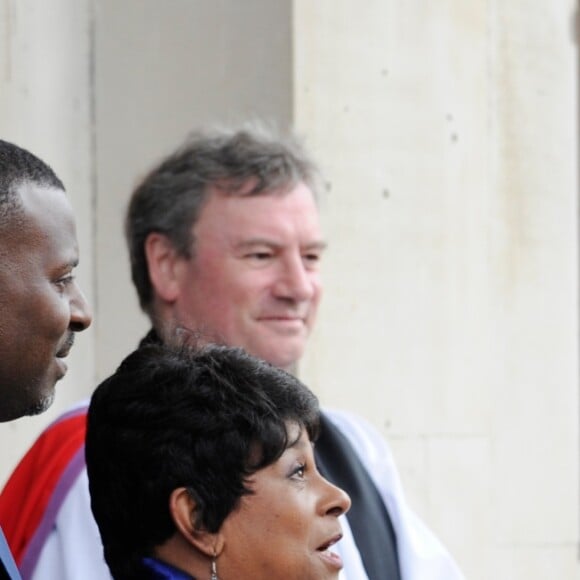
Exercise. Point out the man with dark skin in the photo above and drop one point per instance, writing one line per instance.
(41, 306)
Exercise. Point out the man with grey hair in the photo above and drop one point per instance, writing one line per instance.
(225, 242)
(41, 306)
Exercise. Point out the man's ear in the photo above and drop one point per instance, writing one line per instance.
(183, 510)
(161, 261)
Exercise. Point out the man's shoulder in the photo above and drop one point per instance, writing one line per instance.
(356, 428)
(367, 442)
(66, 433)
(43, 477)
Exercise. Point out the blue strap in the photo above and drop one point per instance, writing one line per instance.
(162, 571)
(8, 570)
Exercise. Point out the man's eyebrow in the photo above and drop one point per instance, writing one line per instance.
(64, 268)
(318, 245)
(315, 245)
(70, 264)
(257, 242)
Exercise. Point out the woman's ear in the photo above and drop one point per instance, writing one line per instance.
(183, 510)
(161, 259)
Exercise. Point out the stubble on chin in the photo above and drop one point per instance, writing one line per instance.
(40, 405)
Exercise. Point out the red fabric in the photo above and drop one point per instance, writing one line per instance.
(28, 491)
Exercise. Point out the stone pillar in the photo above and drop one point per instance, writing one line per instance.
(448, 134)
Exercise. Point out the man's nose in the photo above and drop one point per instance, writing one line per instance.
(295, 281)
(80, 312)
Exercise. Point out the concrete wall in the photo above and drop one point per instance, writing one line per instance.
(447, 133)
(162, 69)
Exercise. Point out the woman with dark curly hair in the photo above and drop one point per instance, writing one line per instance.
(201, 465)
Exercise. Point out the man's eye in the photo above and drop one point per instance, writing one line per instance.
(311, 259)
(65, 281)
(259, 255)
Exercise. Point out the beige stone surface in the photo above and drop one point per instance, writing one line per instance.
(448, 133)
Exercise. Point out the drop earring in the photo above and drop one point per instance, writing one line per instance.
(214, 575)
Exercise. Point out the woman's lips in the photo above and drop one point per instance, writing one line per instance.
(330, 557)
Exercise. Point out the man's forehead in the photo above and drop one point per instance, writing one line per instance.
(246, 197)
(252, 187)
(46, 217)
(261, 218)
(32, 194)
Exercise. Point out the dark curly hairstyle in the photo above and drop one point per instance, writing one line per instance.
(19, 166)
(170, 198)
(204, 419)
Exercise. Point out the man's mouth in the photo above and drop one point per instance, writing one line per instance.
(284, 325)
(64, 350)
(283, 317)
(289, 319)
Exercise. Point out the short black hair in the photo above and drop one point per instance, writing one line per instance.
(171, 417)
(19, 166)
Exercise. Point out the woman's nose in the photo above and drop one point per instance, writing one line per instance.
(338, 501)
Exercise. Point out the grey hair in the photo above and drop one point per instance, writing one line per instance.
(170, 198)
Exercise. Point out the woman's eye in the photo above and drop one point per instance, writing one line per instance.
(300, 471)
